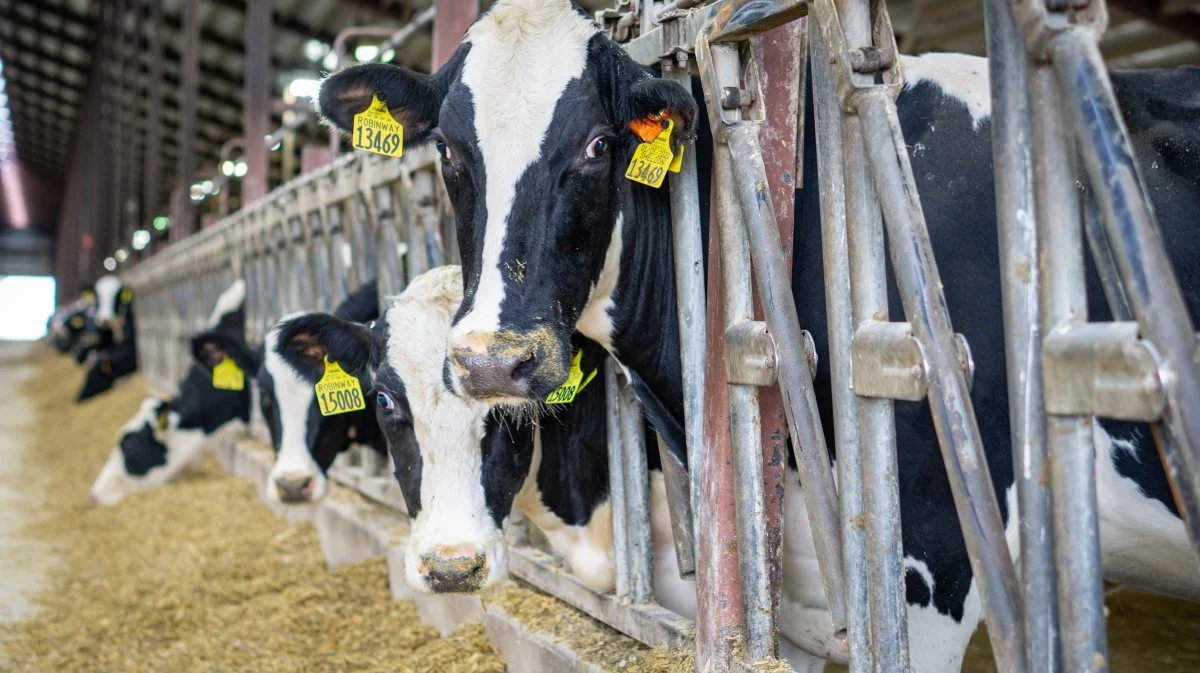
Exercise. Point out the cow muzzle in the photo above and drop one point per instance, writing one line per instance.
(295, 488)
(454, 569)
(506, 367)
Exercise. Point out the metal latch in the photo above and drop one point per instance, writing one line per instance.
(889, 362)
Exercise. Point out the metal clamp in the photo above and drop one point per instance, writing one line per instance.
(889, 362)
(1102, 369)
(751, 354)
(1040, 21)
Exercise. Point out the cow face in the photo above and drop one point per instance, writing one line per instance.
(112, 303)
(165, 436)
(531, 117)
(305, 442)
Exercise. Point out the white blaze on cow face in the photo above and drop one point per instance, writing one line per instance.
(523, 54)
(108, 289)
(294, 397)
(151, 451)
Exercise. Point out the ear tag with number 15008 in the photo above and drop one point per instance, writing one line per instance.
(338, 392)
(228, 376)
(375, 130)
(576, 382)
(651, 160)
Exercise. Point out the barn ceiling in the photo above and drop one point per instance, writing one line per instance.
(50, 51)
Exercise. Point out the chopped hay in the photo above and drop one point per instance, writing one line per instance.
(197, 576)
(594, 641)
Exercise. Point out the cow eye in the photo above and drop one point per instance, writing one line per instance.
(443, 149)
(385, 402)
(597, 147)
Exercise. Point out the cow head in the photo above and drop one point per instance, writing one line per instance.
(531, 117)
(112, 303)
(459, 466)
(165, 436)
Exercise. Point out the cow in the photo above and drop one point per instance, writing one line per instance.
(305, 442)
(71, 330)
(111, 339)
(169, 433)
(555, 241)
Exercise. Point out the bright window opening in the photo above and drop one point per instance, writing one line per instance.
(28, 302)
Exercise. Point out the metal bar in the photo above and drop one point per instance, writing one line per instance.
(1015, 218)
(182, 211)
(1063, 293)
(1151, 287)
(730, 20)
(453, 19)
(256, 110)
(637, 495)
(1106, 264)
(835, 249)
(949, 401)
(689, 288)
(616, 480)
(795, 378)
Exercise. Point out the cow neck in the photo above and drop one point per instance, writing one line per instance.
(645, 320)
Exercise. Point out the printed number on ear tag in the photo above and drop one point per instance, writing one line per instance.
(375, 130)
(338, 392)
(228, 376)
(651, 160)
(576, 382)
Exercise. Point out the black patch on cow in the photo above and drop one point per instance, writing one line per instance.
(142, 451)
(1140, 462)
(397, 429)
(362, 305)
(916, 591)
(506, 452)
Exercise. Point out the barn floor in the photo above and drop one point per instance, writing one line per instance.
(201, 577)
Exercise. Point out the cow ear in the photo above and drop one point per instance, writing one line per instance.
(646, 97)
(411, 97)
(211, 347)
(306, 340)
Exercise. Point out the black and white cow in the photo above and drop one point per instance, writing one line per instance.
(555, 240)
(111, 340)
(306, 442)
(463, 465)
(168, 434)
(71, 330)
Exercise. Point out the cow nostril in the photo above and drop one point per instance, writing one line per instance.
(524, 368)
(294, 489)
(458, 574)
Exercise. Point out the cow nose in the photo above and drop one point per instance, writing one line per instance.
(293, 488)
(452, 570)
(495, 374)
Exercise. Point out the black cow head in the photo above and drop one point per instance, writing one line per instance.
(532, 119)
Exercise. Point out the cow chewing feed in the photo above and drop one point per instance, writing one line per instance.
(306, 442)
(167, 435)
(533, 154)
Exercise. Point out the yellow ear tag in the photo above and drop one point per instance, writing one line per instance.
(126, 296)
(164, 422)
(228, 376)
(105, 368)
(375, 130)
(677, 162)
(338, 392)
(576, 382)
(89, 295)
(651, 160)
(77, 322)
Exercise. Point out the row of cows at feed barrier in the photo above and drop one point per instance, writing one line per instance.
(484, 385)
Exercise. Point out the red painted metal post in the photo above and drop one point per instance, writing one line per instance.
(453, 19)
(256, 119)
(718, 588)
(152, 161)
(781, 67)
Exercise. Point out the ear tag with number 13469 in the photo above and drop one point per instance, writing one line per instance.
(338, 392)
(375, 130)
(652, 160)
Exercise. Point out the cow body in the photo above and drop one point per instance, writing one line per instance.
(555, 240)
(168, 434)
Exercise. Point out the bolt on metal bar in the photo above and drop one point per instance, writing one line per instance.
(1072, 454)
(827, 125)
(1011, 136)
(616, 480)
(637, 495)
(949, 401)
(1151, 287)
(690, 301)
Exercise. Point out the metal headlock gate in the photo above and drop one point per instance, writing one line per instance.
(311, 241)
